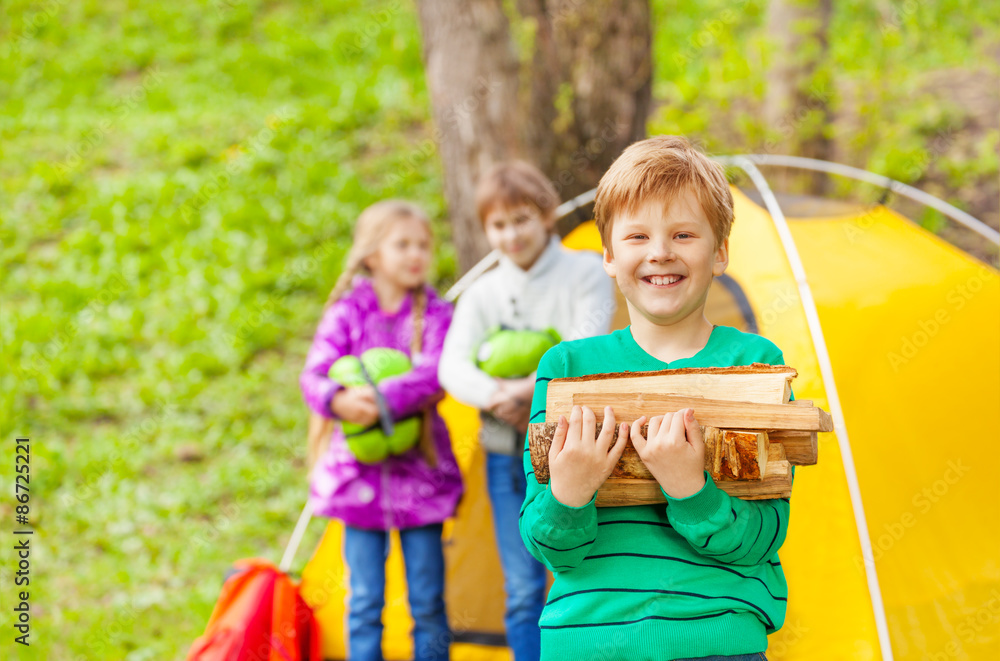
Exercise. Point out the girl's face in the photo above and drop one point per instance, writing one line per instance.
(404, 254)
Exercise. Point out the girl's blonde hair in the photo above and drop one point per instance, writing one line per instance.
(371, 227)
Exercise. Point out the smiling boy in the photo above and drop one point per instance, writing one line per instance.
(538, 284)
(698, 577)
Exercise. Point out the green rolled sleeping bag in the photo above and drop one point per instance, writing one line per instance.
(370, 445)
(512, 354)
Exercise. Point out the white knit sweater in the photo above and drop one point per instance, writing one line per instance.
(564, 289)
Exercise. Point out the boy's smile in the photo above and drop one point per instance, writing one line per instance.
(664, 259)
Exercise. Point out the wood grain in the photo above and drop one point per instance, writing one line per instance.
(753, 433)
(766, 384)
(801, 447)
(711, 412)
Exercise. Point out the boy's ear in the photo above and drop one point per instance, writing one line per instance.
(721, 259)
(609, 264)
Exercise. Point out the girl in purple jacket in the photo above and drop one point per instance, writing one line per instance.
(382, 300)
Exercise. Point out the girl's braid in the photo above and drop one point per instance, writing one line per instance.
(426, 442)
(418, 309)
(354, 265)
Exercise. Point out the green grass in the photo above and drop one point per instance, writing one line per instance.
(177, 186)
(162, 277)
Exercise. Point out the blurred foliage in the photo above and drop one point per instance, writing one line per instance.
(890, 79)
(178, 183)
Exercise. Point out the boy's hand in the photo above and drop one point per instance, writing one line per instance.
(510, 405)
(522, 389)
(356, 405)
(515, 413)
(674, 452)
(579, 464)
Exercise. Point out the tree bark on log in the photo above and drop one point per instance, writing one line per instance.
(729, 453)
(777, 483)
(564, 84)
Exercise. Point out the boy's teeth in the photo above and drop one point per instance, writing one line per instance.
(663, 279)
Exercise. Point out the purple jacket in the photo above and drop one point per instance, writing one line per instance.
(403, 491)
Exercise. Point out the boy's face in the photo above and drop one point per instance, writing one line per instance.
(519, 233)
(664, 260)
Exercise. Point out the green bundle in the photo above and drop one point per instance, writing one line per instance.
(512, 354)
(369, 444)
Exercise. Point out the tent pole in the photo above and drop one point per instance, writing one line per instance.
(826, 369)
(296, 538)
(481, 267)
(888, 184)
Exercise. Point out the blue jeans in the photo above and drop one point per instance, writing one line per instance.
(523, 576)
(366, 552)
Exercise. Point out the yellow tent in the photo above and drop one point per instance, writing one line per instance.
(904, 350)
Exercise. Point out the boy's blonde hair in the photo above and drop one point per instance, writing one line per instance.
(661, 168)
(512, 184)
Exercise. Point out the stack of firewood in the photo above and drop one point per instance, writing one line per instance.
(753, 433)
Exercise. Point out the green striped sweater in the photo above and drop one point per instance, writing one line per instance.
(696, 577)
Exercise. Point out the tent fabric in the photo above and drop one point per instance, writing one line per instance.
(912, 329)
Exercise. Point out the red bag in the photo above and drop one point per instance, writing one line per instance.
(260, 616)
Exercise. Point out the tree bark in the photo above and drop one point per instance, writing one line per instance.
(607, 70)
(797, 100)
(565, 84)
(471, 70)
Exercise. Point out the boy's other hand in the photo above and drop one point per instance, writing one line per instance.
(578, 463)
(522, 389)
(515, 413)
(509, 404)
(356, 405)
(674, 451)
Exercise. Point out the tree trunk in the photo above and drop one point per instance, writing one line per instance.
(797, 101)
(607, 74)
(565, 84)
(471, 70)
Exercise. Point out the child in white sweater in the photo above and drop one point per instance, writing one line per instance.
(538, 284)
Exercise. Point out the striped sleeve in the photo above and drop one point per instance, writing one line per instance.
(557, 535)
(727, 529)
